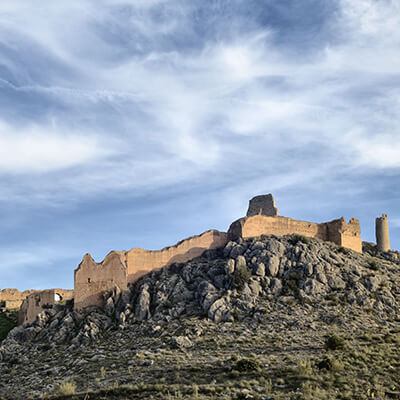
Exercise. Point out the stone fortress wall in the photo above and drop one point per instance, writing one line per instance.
(120, 268)
(40, 300)
(13, 298)
(262, 219)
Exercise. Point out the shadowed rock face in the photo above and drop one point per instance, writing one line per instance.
(262, 205)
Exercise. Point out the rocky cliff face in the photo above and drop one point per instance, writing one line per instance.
(271, 285)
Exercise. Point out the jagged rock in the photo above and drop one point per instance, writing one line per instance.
(237, 250)
(183, 342)
(218, 309)
(273, 266)
(260, 270)
(109, 307)
(308, 269)
(143, 304)
(335, 282)
(230, 266)
(228, 248)
(241, 262)
(313, 287)
(276, 286)
(372, 283)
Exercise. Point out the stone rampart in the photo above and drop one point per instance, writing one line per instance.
(122, 267)
(140, 262)
(41, 300)
(13, 298)
(92, 279)
(337, 231)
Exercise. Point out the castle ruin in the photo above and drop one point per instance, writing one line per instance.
(121, 268)
(262, 219)
(382, 233)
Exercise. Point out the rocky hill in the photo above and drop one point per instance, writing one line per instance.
(267, 318)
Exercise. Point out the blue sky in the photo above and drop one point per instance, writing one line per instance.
(137, 123)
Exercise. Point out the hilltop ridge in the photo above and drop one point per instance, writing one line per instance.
(272, 300)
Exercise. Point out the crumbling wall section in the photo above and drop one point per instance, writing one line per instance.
(40, 300)
(13, 298)
(92, 279)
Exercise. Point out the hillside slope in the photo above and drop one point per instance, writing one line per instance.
(268, 318)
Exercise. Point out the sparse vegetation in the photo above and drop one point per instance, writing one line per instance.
(299, 340)
(373, 265)
(66, 388)
(300, 238)
(241, 276)
(5, 326)
(334, 342)
(247, 364)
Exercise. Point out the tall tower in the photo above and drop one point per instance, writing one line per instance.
(382, 233)
(262, 205)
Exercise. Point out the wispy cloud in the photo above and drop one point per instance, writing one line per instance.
(134, 98)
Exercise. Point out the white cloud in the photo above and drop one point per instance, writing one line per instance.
(183, 113)
(31, 150)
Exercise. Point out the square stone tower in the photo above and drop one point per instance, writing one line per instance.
(262, 205)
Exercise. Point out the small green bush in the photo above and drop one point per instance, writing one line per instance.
(334, 342)
(300, 238)
(330, 364)
(246, 365)
(373, 265)
(343, 250)
(241, 276)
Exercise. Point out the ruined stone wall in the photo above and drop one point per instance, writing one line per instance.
(13, 298)
(262, 225)
(140, 262)
(92, 279)
(337, 231)
(122, 267)
(39, 301)
(346, 234)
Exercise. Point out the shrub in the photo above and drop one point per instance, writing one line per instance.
(300, 238)
(67, 388)
(304, 368)
(373, 265)
(334, 342)
(330, 364)
(241, 276)
(343, 250)
(246, 365)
